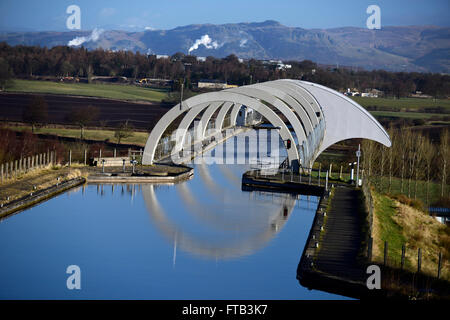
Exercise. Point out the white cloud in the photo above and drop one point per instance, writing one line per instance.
(78, 41)
(243, 42)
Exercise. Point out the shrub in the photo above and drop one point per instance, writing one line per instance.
(415, 203)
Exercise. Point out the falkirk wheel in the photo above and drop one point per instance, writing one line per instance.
(317, 117)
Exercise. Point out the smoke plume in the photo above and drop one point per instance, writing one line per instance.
(78, 41)
(206, 41)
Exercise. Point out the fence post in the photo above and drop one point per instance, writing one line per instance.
(403, 257)
(419, 259)
(331, 168)
(114, 152)
(6, 165)
(70, 157)
(385, 253)
(340, 174)
(439, 265)
(15, 168)
(1, 170)
(11, 166)
(85, 156)
(20, 165)
(326, 182)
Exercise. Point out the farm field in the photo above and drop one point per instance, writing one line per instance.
(403, 104)
(142, 115)
(110, 91)
(138, 138)
(403, 114)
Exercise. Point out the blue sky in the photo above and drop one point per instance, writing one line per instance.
(28, 15)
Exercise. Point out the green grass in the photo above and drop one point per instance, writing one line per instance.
(390, 231)
(111, 91)
(402, 103)
(402, 114)
(138, 138)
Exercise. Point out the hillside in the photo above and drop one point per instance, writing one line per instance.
(412, 48)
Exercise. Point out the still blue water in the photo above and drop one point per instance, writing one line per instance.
(199, 239)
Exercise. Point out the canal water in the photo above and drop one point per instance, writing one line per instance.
(200, 239)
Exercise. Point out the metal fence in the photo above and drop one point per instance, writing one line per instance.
(411, 258)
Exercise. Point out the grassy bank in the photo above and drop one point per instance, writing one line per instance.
(111, 91)
(138, 138)
(399, 224)
(40, 178)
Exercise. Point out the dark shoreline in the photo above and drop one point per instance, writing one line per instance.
(40, 196)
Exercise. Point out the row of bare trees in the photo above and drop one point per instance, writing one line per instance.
(413, 157)
(29, 61)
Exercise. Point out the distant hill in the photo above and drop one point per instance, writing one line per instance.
(411, 48)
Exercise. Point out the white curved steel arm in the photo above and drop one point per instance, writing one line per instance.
(172, 114)
(260, 94)
(222, 114)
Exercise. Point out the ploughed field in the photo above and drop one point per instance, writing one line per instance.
(142, 115)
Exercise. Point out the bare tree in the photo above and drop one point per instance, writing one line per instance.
(429, 153)
(403, 148)
(420, 156)
(5, 74)
(82, 117)
(368, 151)
(391, 154)
(36, 113)
(444, 153)
(412, 157)
(123, 131)
(382, 158)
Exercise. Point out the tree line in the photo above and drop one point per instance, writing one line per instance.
(28, 61)
(412, 158)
